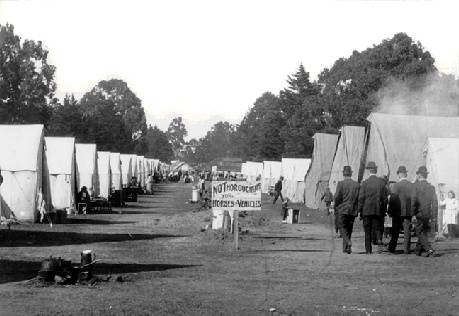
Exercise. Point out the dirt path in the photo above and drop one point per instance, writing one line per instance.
(171, 267)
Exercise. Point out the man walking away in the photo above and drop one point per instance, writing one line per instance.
(346, 199)
(278, 190)
(400, 210)
(372, 206)
(424, 205)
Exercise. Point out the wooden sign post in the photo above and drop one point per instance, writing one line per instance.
(235, 196)
(236, 229)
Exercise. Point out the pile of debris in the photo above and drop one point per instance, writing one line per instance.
(63, 272)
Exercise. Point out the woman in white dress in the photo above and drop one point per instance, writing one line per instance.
(450, 212)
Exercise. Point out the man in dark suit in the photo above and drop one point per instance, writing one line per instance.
(278, 190)
(424, 205)
(346, 197)
(372, 206)
(400, 210)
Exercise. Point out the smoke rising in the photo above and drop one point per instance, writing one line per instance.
(433, 95)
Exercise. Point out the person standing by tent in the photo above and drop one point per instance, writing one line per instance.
(400, 210)
(346, 199)
(451, 210)
(202, 186)
(278, 190)
(424, 205)
(372, 206)
(150, 181)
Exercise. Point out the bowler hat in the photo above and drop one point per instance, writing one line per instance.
(422, 170)
(401, 169)
(371, 165)
(347, 171)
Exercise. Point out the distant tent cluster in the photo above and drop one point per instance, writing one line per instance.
(389, 140)
(43, 174)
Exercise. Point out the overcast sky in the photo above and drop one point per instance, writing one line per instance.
(210, 60)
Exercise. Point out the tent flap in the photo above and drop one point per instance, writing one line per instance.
(349, 152)
(319, 173)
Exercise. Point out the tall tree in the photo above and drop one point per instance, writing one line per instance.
(350, 86)
(158, 144)
(217, 143)
(176, 133)
(303, 114)
(119, 104)
(125, 104)
(258, 137)
(26, 80)
(107, 129)
(67, 120)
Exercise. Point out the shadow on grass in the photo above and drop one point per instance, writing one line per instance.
(26, 238)
(17, 270)
(136, 205)
(163, 190)
(119, 268)
(288, 237)
(286, 250)
(129, 212)
(89, 221)
(13, 270)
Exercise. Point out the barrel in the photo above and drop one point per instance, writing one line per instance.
(86, 257)
(195, 196)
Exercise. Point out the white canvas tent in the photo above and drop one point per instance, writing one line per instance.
(148, 166)
(60, 156)
(115, 168)
(294, 170)
(442, 161)
(243, 168)
(319, 173)
(141, 170)
(156, 165)
(126, 169)
(134, 167)
(399, 139)
(24, 193)
(252, 170)
(271, 173)
(349, 152)
(104, 173)
(86, 168)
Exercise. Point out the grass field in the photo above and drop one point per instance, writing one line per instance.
(170, 266)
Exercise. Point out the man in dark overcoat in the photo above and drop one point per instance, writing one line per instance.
(372, 206)
(346, 199)
(424, 205)
(400, 210)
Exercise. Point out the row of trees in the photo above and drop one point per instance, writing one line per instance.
(283, 124)
(110, 115)
(277, 125)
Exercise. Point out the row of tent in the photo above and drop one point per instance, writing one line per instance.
(292, 169)
(42, 174)
(389, 140)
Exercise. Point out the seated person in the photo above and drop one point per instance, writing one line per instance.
(133, 182)
(84, 198)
